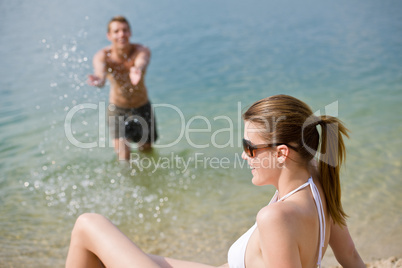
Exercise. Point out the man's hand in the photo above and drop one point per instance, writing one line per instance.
(135, 75)
(96, 81)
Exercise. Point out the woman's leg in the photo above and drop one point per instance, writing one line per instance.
(95, 240)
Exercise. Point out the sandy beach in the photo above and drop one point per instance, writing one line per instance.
(392, 262)
(386, 263)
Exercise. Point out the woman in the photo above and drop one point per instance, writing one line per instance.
(304, 216)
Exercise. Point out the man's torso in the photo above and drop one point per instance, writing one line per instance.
(123, 93)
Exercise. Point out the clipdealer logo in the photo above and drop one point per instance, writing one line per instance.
(176, 162)
(186, 128)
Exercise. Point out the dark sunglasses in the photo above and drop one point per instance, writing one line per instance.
(250, 149)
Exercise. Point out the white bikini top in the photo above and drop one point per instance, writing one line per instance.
(237, 252)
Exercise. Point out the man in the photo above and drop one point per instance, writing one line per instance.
(124, 64)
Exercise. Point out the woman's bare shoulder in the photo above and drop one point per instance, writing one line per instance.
(282, 215)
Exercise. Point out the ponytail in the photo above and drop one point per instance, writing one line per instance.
(332, 153)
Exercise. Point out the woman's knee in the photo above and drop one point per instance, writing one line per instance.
(85, 222)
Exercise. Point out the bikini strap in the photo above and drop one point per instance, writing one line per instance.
(321, 216)
(294, 191)
(320, 210)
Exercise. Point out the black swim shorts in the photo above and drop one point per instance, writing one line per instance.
(135, 124)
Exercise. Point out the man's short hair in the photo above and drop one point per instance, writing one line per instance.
(119, 19)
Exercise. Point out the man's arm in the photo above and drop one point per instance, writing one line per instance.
(142, 59)
(140, 64)
(99, 63)
(343, 247)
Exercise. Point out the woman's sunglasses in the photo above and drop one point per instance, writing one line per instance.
(250, 149)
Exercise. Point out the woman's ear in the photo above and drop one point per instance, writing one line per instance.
(282, 153)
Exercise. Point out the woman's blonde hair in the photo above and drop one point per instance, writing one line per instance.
(285, 119)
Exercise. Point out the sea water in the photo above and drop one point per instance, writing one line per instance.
(193, 196)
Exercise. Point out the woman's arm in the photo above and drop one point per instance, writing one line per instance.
(343, 247)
